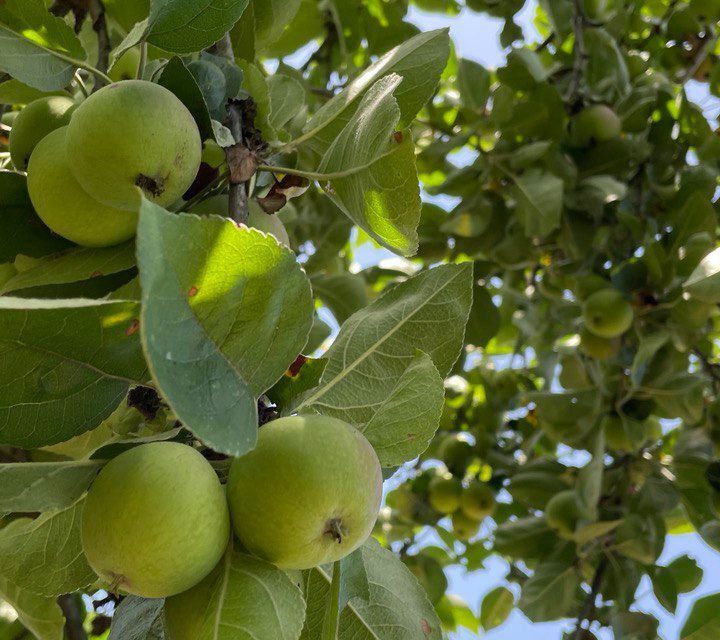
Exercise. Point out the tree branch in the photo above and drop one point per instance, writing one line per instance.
(578, 24)
(73, 617)
(590, 606)
(238, 200)
(97, 14)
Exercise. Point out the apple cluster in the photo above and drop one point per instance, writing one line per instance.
(87, 165)
(157, 519)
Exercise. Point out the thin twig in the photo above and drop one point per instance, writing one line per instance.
(590, 606)
(99, 24)
(143, 61)
(578, 24)
(238, 200)
(73, 617)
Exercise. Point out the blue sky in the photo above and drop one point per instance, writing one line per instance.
(476, 37)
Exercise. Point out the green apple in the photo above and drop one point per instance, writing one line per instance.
(596, 123)
(562, 513)
(617, 437)
(257, 218)
(444, 494)
(308, 494)
(477, 500)
(34, 122)
(607, 313)
(65, 207)
(463, 526)
(597, 347)
(133, 134)
(126, 66)
(155, 520)
(455, 451)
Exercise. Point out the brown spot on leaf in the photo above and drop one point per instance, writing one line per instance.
(192, 291)
(283, 190)
(96, 274)
(134, 326)
(398, 136)
(297, 365)
(426, 628)
(243, 163)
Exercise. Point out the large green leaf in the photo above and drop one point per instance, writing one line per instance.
(36, 47)
(28, 487)
(550, 592)
(496, 607)
(369, 365)
(41, 615)
(703, 621)
(138, 619)
(223, 319)
(244, 597)
(64, 366)
(704, 282)
(22, 232)
(186, 26)
(539, 197)
(389, 604)
(369, 171)
(419, 61)
(74, 266)
(26, 560)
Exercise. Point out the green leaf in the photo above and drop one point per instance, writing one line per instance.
(688, 575)
(36, 47)
(343, 293)
(138, 619)
(606, 68)
(682, 396)
(22, 231)
(395, 608)
(177, 78)
(181, 26)
(376, 345)
(24, 557)
(524, 69)
(255, 83)
(287, 98)
(28, 487)
(270, 19)
(484, 321)
(406, 421)
(550, 592)
(703, 621)
(74, 266)
(704, 282)
(41, 615)
(222, 320)
(15, 92)
(590, 478)
(665, 588)
(539, 197)
(496, 607)
(369, 171)
(526, 538)
(474, 84)
(244, 597)
(419, 62)
(64, 366)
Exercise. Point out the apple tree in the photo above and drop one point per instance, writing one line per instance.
(299, 308)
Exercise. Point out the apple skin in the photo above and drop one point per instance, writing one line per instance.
(64, 206)
(126, 66)
(33, 123)
(607, 314)
(463, 526)
(444, 494)
(155, 520)
(477, 501)
(596, 123)
(597, 347)
(308, 494)
(133, 134)
(562, 513)
(257, 218)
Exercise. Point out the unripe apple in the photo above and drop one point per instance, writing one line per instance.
(444, 494)
(126, 66)
(257, 218)
(607, 314)
(455, 451)
(34, 122)
(477, 500)
(308, 494)
(562, 513)
(596, 123)
(155, 521)
(133, 134)
(463, 526)
(597, 347)
(65, 207)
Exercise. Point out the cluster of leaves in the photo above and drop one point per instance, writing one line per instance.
(179, 334)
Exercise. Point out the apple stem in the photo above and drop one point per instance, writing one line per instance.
(335, 529)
